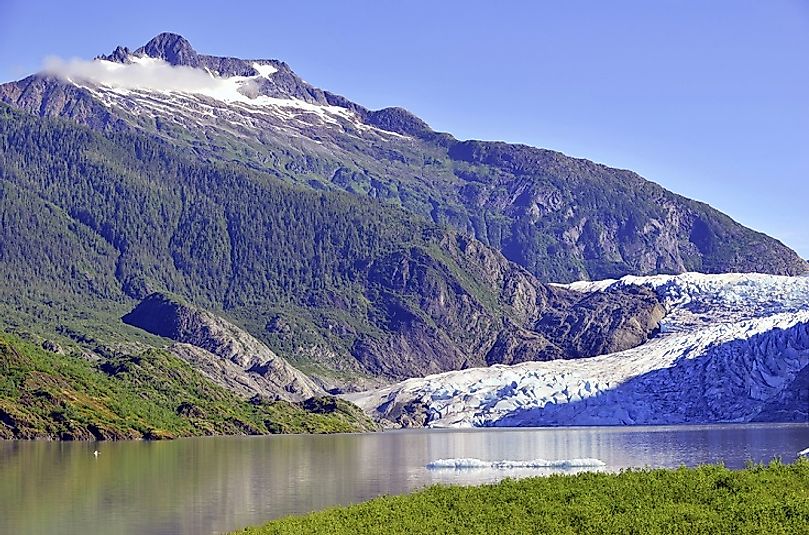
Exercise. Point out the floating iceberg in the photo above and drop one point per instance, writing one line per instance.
(470, 462)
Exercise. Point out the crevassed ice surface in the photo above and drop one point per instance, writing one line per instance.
(729, 344)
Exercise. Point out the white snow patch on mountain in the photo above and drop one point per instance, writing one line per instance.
(728, 345)
(266, 70)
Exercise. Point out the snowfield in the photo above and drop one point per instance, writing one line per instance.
(729, 344)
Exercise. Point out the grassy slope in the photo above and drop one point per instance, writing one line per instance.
(149, 395)
(710, 499)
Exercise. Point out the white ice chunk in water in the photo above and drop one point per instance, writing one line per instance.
(471, 462)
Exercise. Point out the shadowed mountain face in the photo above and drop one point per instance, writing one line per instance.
(561, 218)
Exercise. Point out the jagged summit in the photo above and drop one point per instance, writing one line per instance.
(176, 50)
(119, 55)
(171, 47)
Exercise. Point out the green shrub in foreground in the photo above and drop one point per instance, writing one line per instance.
(772, 499)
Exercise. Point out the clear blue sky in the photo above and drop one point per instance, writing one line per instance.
(710, 99)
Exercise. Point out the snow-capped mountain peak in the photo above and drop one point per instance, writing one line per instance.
(167, 82)
(173, 50)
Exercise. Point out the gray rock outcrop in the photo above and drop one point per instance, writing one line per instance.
(223, 352)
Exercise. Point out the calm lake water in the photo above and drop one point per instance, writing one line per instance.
(214, 485)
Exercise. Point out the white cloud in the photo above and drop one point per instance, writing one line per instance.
(149, 74)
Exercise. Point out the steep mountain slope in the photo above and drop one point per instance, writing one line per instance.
(733, 348)
(562, 218)
(349, 290)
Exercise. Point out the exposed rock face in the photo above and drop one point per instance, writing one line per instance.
(430, 323)
(50, 97)
(172, 48)
(562, 218)
(608, 222)
(604, 322)
(433, 321)
(221, 351)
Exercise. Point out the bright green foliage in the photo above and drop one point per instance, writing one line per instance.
(151, 395)
(771, 499)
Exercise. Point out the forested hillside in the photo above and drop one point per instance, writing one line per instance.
(250, 227)
(344, 287)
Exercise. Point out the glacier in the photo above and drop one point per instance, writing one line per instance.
(728, 345)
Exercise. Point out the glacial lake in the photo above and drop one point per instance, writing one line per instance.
(214, 485)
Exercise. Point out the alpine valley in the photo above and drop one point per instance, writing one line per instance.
(196, 245)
